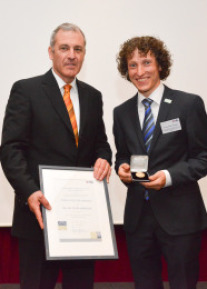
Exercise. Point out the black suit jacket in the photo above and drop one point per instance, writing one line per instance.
(179, 208)
(37, 130)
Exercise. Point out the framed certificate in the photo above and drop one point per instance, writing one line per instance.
(79, 226)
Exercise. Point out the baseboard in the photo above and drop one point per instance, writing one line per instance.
(122, 285)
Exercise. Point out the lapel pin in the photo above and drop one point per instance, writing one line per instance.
(167, 100)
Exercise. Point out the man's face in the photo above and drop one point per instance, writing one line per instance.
(67, 54)
(144, 72)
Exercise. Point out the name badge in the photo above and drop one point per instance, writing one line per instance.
(170, 125)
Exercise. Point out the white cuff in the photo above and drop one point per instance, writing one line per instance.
(168, 178)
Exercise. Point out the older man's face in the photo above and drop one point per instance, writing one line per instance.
(67, 54)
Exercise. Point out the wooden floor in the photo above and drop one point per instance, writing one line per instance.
(201, 285)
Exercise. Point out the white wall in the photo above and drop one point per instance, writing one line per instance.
(25, 30)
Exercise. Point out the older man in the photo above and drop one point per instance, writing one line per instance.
(53, 119)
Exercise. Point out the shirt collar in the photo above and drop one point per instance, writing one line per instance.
(61, 83)
(156, 95)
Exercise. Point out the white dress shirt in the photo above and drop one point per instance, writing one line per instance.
(156, 96)
(73, 95)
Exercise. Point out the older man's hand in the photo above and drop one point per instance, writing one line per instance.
(34, 201)
(102, 169)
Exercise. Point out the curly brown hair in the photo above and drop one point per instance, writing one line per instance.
(145, 44)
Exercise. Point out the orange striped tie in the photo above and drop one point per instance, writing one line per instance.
(69, 106)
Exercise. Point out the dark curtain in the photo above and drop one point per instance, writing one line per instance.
(106, 270)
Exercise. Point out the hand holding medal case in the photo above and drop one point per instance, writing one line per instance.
(139, 167)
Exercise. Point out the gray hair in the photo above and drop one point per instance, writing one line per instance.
(65, 27)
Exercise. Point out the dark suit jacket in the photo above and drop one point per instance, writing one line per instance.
(37, 130)
(179, 208)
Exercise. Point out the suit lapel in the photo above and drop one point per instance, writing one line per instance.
(83, 102)
(52, 90)
(134, 121)
(165, 106)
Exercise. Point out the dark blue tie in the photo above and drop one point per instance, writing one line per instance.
(149, 125)
(148, 129)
